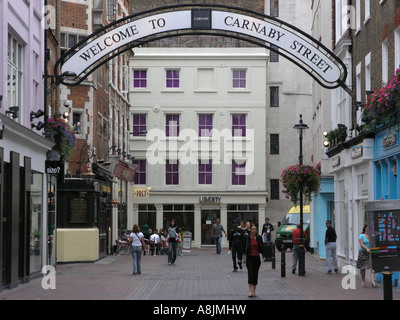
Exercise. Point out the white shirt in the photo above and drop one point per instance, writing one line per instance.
(136, 239)
(155, 238)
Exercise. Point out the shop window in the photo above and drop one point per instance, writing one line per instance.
(242, 212)
(36, 236)
(183, 214)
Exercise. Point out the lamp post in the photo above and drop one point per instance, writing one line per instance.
(301, 127)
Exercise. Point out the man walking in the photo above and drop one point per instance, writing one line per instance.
(296, 246)
(330, 245)
(266, 230)
(216, 233)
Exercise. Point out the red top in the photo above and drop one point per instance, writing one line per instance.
(296, 236)
(254, 248)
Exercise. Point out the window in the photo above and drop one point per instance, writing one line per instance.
(140, 176)
(274, 143)
(238, 125)
(367, 10)
(238, 173)
(76, 122)
(273, 54)
(172, 77)
(274, 189)
(183, 214)
(205, 171)
(205, 125)
(111, 10)
(239, 79)
(397, 48)
(172, 172)
(139, 79)
(274, 8)
(147, 215)
(274, 96)
(15, 73)
(139, 124)
(67, 41)
(172, 125)
(385, 61)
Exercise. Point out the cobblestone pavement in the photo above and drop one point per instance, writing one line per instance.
(199, 275)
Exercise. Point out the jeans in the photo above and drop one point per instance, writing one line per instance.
(267, 237)
(295, 255)
(137, 259)
(218, 243)
(331, 253)
(173, 245)
(236, 253)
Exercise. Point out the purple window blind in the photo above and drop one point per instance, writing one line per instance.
(140, 78)
(172, 125)
(239, 79)
(172, 78)
(140, 176)
(205, 172)
(205, 125)
(238, 173)
(139, 124)
(239, 125)
(172, 172)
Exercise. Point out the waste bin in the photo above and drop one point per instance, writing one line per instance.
(268, 250)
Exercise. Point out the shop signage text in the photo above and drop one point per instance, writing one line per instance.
(206, 199)
(305, 50)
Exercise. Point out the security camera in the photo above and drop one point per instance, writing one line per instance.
(67, 103)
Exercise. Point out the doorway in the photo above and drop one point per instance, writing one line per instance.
(208, 218)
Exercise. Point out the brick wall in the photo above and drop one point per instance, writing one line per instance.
(74, 15)
(384, 19)
(198, 41)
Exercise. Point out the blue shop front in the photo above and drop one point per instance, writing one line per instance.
(322, 209)
(386, 165)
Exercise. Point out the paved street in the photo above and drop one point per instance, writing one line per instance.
(199, 275)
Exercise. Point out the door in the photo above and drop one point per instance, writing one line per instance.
(208, 218)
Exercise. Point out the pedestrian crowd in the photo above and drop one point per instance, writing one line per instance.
(246, 246)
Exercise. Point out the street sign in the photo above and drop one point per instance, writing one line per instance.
(384, 234)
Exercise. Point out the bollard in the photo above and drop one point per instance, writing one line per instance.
(283, 262)
(273, 257)
(387, 284)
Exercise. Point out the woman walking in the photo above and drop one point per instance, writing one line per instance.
(254, 247)
(174, 237)
(136, 239)
(364, 257)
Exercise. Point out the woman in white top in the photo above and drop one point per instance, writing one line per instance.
(136, 239)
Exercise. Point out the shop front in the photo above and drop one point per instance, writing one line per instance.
(84, 217)
(198, 213)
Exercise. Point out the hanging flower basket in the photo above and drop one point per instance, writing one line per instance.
(382, 107)
(297, 176)
(64, 136)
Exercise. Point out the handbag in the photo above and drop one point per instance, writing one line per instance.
(143, 245)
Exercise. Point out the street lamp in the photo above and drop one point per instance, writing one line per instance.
(301, 127)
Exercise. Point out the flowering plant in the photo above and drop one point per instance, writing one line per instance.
(301, 176)
(382, 106)
(64, 136)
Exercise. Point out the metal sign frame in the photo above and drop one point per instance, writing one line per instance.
(203, 19)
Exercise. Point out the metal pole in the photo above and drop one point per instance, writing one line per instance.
(387, 284)
(301, 247)
(283, 262)
(273, 256)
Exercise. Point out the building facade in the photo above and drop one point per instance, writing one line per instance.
(97, 110)
(202, 154)
(23, 150)
(366, 42)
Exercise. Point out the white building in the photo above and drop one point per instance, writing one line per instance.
(289, 94)
(199, 124)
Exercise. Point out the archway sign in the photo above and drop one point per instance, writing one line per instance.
(202, 19)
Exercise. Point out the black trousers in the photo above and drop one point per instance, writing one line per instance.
(253, 265)
(236, 252)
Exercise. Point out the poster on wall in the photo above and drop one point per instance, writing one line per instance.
(384, 234)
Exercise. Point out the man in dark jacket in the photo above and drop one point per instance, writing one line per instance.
(236, 242)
